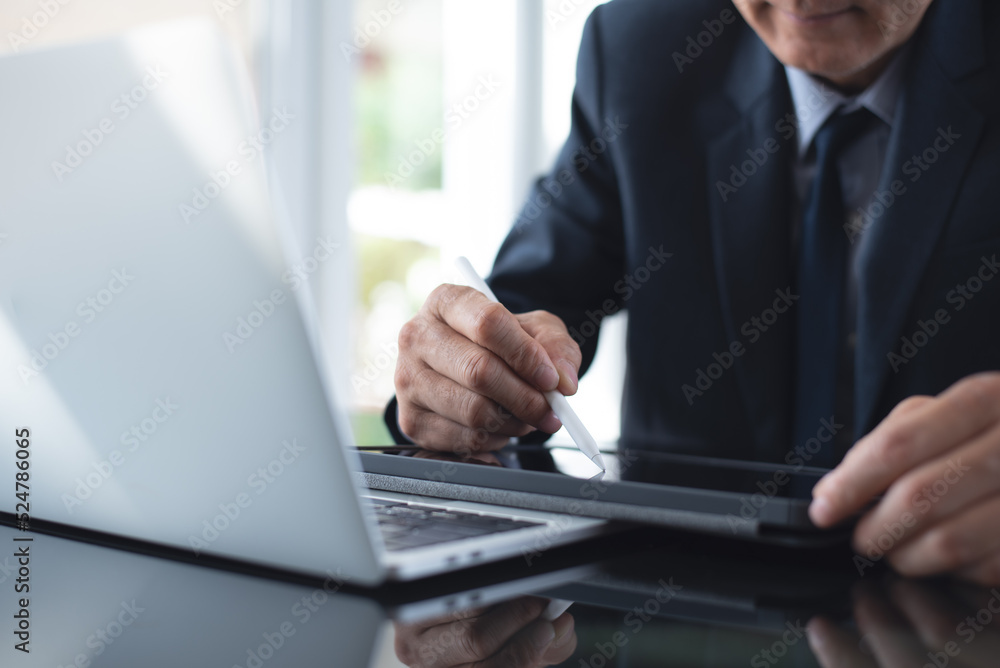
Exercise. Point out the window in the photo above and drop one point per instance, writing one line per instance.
(460, 105)
(420, 125)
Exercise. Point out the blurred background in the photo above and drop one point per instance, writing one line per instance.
(419, 127)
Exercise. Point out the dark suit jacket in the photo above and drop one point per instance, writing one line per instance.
(673, 131)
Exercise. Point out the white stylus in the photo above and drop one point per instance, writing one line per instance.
(556, 607)
(560, 406)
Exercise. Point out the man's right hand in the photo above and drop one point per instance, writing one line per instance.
(470, 373)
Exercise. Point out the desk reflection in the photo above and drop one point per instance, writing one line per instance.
(904, 623)
(511, 634)
(667, 599)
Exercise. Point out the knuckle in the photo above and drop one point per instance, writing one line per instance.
(546, 319)
(985, 382)
(561, 343)
(983, 391)
(404, 648)
(489, 319)
(947, 547)
(476, 411)
(573, 353)
(907, 491)
(525, 359)
(896, 446)
(555, 321)
(409, 334)
(472, 640)
(480, 372)
(409, 422)
(403, 377)
(442, 294)
(912, 402)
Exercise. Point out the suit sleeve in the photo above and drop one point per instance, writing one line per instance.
(565, 252)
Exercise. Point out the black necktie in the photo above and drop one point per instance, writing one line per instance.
(821, 274)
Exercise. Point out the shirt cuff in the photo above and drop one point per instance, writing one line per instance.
(391, 417)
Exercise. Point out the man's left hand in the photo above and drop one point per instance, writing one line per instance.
(936, 461)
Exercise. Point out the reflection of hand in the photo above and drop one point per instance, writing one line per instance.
(471, 374)
(912, 624)
(487, 458)
(936, 459)
(509, 635)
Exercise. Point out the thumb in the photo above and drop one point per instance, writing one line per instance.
(550, 331)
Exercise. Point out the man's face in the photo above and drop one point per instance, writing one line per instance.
(845, 41)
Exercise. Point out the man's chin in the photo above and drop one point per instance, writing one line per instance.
(833, 67)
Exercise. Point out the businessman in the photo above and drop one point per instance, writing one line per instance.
(796, 202)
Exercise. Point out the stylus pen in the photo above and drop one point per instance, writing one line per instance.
(556, 607)
(560, 406)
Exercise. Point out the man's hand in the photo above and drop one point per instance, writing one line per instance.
(937, 461)
(471, 374)
(509, 635)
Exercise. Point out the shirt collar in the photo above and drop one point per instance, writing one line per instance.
(815, 101)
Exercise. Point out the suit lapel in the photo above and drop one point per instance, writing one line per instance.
(895, 248)
(751, 236)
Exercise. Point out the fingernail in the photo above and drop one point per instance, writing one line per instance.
(550, 423)
(569, 373)
(542, 634)
(546, 378)
(820, 511)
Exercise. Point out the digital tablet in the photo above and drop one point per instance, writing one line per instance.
(748, 500)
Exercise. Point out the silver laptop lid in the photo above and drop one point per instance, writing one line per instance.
(147, 338)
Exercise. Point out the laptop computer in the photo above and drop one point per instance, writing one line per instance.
(158, 372)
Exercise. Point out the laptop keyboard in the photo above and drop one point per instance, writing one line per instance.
(406, 526)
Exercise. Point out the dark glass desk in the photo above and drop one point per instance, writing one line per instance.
(641, 599)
